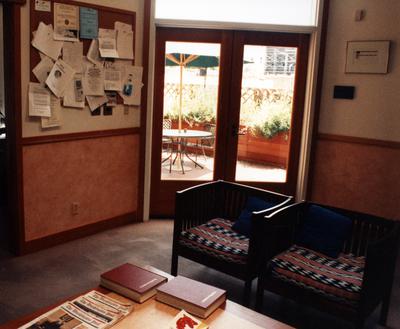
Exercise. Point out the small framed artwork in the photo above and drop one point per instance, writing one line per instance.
(367, 56)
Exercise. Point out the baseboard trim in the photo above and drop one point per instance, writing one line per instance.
(359, 140)
(76, 233)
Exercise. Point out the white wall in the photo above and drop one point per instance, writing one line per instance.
(375, 111)
(79, 120)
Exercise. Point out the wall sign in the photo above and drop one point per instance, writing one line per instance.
(367, 56)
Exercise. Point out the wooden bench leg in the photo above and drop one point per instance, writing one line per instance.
(384, 311)
(259, 295)
(247, 292)
(359, 324)
(174, 264)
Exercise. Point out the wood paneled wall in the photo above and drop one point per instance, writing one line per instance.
(358, 174)
(99, 174)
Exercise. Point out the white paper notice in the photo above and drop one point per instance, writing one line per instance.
(66, 22)
(72, 55)
(93, 54)
(122, 26)
(42, 70)
(55, 119)
(39, 100)
(108, 43)
(59, 77)
(44, 42)
(132, 85)
(93, 81)
(124, 40)
(96, 101)
(42, 5)
(73, 94)
(112, 79)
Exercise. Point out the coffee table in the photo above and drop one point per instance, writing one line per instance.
(155, 315)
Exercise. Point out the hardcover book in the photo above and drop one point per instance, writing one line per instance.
(195, 297)
(132, 281)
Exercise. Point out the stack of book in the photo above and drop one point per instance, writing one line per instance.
(132, 281)
(195, 297)
(93, 310)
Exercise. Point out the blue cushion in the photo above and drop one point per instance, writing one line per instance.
(324, 230)
(243, 223)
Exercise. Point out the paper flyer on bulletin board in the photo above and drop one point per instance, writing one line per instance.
(74, 49)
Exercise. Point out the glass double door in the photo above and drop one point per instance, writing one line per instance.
(227, 105)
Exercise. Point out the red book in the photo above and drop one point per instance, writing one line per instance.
(132, 281)
(193, 296)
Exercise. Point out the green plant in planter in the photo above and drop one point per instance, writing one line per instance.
(277, 120)
(199, 108)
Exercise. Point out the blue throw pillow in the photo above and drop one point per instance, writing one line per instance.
(243, 223)
(324, 231)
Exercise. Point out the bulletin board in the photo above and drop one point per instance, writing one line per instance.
(81, 120)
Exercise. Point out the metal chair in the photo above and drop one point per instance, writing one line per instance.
(167, 143)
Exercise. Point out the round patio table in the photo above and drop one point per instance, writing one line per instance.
(180, 137)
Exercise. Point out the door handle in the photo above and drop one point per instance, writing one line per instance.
(237, 132)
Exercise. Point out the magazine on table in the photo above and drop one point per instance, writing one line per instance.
(93, 310)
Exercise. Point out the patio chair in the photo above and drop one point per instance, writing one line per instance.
(338, 261)
(213, 227)
(167, 143)
(208, 142)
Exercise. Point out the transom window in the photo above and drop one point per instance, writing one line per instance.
(274, 12)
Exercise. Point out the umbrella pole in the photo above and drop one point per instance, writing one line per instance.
(180, 150)
(180, 96)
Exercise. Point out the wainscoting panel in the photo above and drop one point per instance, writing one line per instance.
(357, 175)
(98, 177)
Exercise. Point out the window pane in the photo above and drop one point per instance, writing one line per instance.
(280, 12)
(190, 107)
(265, 113)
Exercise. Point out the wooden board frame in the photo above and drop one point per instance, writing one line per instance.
(12, 24)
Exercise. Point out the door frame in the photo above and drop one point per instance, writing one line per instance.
(227, 93)
(157, 200)
(273, 39)
(12, 94)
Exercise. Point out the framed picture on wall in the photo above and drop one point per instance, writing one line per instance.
(367, 56)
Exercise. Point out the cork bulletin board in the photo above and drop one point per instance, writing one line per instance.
(80, 120)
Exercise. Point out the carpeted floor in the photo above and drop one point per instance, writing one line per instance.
(43, 278)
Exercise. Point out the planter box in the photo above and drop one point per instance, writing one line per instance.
(273, 151)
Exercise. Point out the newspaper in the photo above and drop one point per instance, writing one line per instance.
(117, 305)
(56, 318)
(90, 311)
(84, 316)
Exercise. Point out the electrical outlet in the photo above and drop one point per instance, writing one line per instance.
(74, 208)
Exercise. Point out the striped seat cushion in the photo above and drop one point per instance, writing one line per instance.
(338, 279)
(216, 238)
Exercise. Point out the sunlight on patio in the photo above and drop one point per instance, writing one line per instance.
(246, 171)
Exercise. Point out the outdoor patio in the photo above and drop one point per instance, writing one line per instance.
(245, 171)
